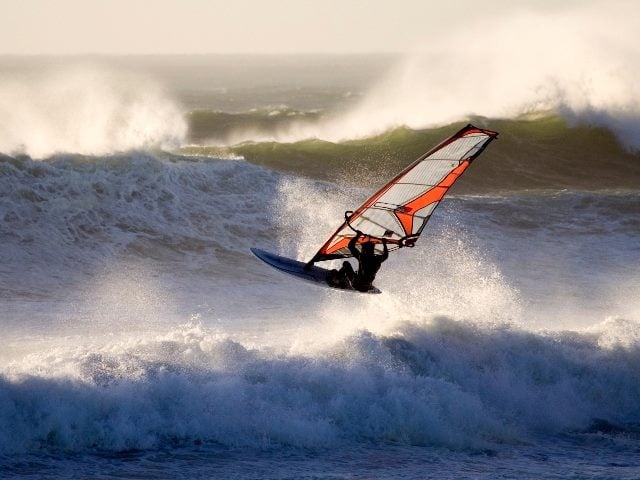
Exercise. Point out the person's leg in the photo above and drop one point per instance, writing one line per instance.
(333, 278)
(347, 271)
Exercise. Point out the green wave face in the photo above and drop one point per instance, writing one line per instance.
(531, 153)
(216, 126)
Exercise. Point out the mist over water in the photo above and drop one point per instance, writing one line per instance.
(572, 64)
(136, 323)
(520, 66)
(85, 109)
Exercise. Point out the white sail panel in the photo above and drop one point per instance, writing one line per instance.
(429, 172)
(378, 223)
(398, 195)
(460, 148)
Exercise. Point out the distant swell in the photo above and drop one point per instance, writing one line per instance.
(536, 152)
(440, 383)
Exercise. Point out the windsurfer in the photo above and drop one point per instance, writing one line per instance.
(368, 265)
(368, 262)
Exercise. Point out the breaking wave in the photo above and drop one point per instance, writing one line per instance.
(440, 382)
(85, 110)
(581, 69)
(72, 213)
(532, 152)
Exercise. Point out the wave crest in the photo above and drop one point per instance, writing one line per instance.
(92, 111)
(441, 382)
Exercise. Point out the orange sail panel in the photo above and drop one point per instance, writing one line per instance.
(399, 211)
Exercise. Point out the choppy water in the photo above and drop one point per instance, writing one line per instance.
(140, 337)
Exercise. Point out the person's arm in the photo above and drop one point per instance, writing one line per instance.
(352, 245)
(385, 253)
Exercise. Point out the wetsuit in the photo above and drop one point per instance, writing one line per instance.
(342, 278)
(368, 264)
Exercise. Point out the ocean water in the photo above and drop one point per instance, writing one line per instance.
(142, 339)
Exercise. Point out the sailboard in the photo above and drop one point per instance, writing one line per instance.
(314, 274)
(398, 213)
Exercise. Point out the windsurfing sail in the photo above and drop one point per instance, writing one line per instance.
(399, 211)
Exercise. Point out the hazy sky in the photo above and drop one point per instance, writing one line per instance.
(242, 26)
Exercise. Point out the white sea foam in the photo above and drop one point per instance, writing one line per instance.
(72, 215)
(441, 358)
(436, 382)
(86, 109)
(582, 62)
